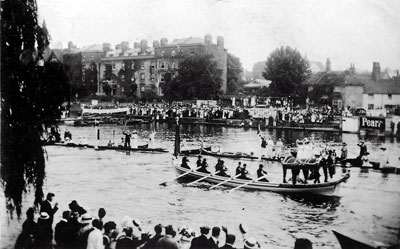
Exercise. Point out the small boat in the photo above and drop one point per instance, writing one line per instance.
(70, 144)
(237, 155)
(318, 188)
(194, 151)
(141, 148)
(350, 243)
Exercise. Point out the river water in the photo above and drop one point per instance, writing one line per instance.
(367, 205)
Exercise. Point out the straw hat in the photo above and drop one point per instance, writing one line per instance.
(44, 216)
(250, 243)
(85, 219)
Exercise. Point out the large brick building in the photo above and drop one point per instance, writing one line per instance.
(148, 67)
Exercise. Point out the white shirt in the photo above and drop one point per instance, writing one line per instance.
(95, 240)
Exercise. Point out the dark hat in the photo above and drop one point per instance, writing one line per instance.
(204, 229)
(344, 143)
(383, 148)
(169, 230)
(50, 195)
(199, 156)
(366, 153)
(261, 166)
(110, 225)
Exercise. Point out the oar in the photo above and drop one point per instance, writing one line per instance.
(190, 171)
(230, 178)
(247, 183)
(204, 177)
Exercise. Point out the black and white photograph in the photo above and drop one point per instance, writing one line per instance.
(200, 124)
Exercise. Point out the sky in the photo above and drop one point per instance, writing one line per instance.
(348, 32)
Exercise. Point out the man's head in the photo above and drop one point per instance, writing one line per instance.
(230, 239)
(97, 224)
(302, 244)
(50, 196)
(204, 230)
(158, 228)
(66, 215)
(215, 232)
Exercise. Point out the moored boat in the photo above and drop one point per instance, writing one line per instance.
(71, 144)
(141, 148)
(318, 188)
(194, 151)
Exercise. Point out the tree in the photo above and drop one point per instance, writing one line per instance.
(234, 73)
(258, 69)
(287, 69)
(198, 77)
(32, 93)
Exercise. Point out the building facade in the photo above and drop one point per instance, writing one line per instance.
(143, 69)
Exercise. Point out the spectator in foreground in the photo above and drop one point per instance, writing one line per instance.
(302, 243)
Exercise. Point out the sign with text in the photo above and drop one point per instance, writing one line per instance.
(372, 123)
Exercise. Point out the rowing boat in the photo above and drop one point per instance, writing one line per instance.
(193, 151)
(142, 148)
(237, 155)
(350, 243)
(70, 144)
(318, 188)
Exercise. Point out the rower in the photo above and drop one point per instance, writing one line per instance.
(198, 162)
(261, 172)
(244, 173)
(221, 169)
(239, 168)
(184, 163)
(204, 166)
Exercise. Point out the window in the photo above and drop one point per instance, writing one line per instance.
(113, 66)
(370, 96)
(162, 53)
(142, 66)
(192, 51)
(152, 77)
(162, 79)
(370, 106)
(389, 96)
(162, 64)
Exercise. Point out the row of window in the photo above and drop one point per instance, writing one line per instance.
(162, 65)
(371, 96)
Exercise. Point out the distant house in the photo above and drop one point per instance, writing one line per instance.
(370, 91)
(256, 85)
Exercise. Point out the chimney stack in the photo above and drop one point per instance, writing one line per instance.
(220, 41)
(328, 65)
(156, 44)
(164, 41)
(376, 71)
(208, 40)
(143, 46)
(352, 69)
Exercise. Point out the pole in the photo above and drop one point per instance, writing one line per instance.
(177, 148)
(204, 177)
(230, 178)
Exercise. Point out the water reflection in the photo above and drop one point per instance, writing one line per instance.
(330, 202)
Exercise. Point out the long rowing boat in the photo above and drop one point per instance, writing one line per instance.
(318, 188)
(70, 144)
(142, 148)
(237, 155)
(193, 151)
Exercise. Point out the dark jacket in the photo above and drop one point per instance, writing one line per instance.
(46, 207)
(200, 242)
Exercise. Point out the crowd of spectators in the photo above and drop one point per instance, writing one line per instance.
(78, 229)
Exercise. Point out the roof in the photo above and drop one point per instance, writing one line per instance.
(92, 48)
(317, 66)
(390, 86)
(189, 40)
(258, 83)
